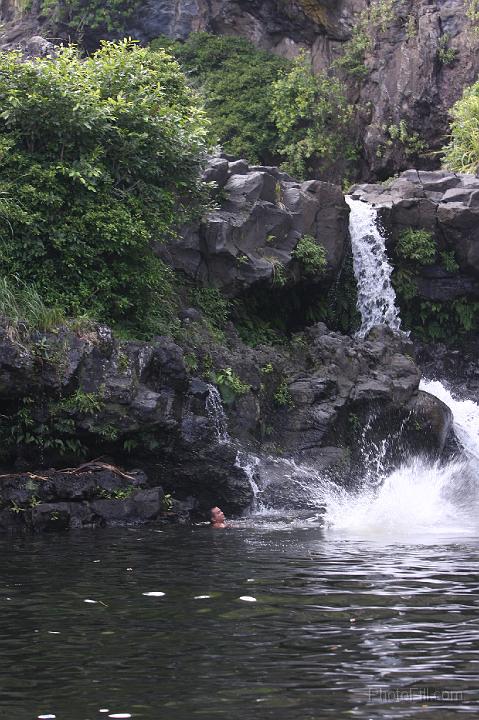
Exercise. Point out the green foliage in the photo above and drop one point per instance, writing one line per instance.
(404, 281)
(312, 116)
(167, 502)
(278, 276)
(445, 322)
(282, 396)
(215, 307)
(76, 16)
(448, 260)
(377, 17)
(120, 494)
(445, 54)
(42, 426)
(311, 255)
(267, 369)
(411, 26)
(338, 309)
(230, 385)
(462, 152)
(85, 403)
(24, 308)
(255, 331)
(401, 136)
(472, 12)
(417, 246)
(98, 159)
(236, 81)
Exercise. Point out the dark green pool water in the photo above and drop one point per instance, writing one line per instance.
(338, 626)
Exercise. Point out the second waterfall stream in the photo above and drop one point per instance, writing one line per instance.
(420, 498)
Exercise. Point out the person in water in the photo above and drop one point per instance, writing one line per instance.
(218, 519)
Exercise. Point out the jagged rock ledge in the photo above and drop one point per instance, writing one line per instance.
(68, 397)
(447, 205)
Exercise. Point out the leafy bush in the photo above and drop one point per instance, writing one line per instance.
(282, 396)
(214, 305)
(78, 16)
(445, 54)
(377, 16)
(417, 246)
(313, 118)
(236, 81)
(448, 260)
(444, 321)
(462, 152)
(311, 254)
(230, 385)
(99, 158)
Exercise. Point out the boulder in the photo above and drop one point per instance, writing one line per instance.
(259, 224)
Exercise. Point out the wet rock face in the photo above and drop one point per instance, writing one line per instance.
(135, 402)
(362, 392)
(446, 204)
(263, 215)
(90, 396)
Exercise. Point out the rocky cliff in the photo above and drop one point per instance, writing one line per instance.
(184, 416)
(407, 61)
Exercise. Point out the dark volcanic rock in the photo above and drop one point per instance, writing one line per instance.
(444, 204)
(258, 227)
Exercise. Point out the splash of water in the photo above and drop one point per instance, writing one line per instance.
(418, 500)
(465, 413)
(419, 497)
(376, 296)
(214, 410)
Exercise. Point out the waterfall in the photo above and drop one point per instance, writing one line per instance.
(214, 410)
(420, 498)
(376, 297)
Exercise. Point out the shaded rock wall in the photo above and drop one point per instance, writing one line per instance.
(446, 204)
(262, 215)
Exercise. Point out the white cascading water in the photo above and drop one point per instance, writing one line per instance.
(418, 498)
(376, 296)
(214, 410)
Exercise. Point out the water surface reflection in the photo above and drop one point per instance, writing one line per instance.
(336, 624)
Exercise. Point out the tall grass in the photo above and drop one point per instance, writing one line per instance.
(22, 307)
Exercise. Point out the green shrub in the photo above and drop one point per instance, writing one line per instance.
(313, 118)
(282, 396)
(311, 255)
(77, 16)
(444, 321)
(417, 246)
(445, 54)
(378, 16)
(98, 159)
(214, 305)
(462, 152)
(236, 82)
(448, 260)
(230, 385)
